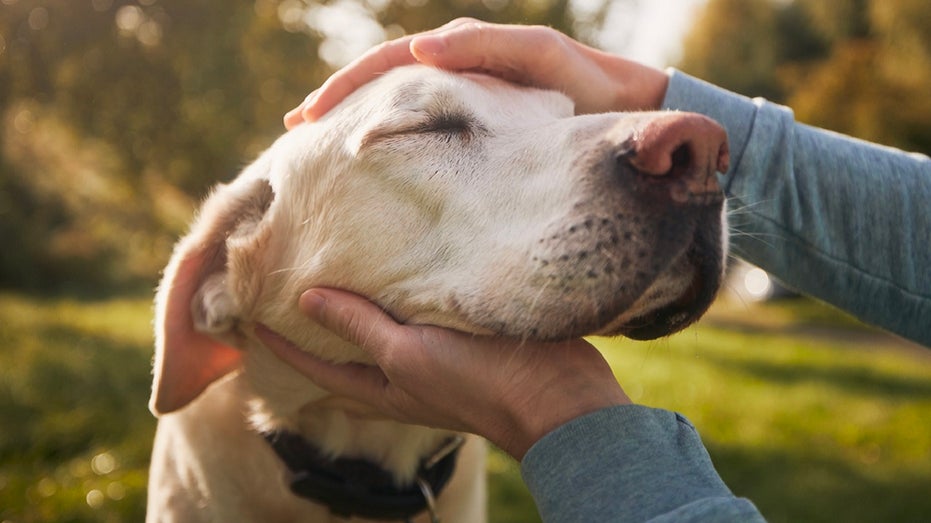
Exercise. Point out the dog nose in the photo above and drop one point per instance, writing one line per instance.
(683, 150)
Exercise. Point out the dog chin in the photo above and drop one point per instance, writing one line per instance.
(671, 303)
(676, 312)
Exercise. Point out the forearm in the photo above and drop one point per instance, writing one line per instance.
(838, 218)
(629, 463)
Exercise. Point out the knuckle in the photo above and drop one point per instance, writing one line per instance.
(378, 51)
(382, 46)
(462, 20)
(549, 40)
(473, 29)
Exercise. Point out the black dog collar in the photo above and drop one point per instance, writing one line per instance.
(359, 487)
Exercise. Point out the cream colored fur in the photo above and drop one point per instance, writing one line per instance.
(454, 200)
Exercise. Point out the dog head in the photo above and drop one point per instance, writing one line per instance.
(454, 200)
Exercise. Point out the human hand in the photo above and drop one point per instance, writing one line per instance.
(530, 55)
(511, 392)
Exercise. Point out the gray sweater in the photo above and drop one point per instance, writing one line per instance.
(843, 220)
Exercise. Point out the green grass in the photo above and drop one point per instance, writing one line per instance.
(76, 435)
(807, 413)
(814, 420)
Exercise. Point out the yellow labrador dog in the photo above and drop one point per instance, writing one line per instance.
(454, 200)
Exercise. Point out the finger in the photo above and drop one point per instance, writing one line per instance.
(362, 70)
(427, 47)
(356, 320)
(356, 381)
(511, 52)
(294, 117)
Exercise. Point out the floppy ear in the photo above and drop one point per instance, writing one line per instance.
(196, 307)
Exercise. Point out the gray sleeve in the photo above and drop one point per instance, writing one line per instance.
(629, 463)
(843, 220)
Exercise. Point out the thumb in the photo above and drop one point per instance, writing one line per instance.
(352, 380)
(354, 319)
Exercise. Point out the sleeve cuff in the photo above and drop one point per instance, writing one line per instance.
(625, 463)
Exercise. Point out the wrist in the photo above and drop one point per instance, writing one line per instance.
(636, 87)
(548, 412)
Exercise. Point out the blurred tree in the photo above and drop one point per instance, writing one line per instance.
(164, 94)
(106, 102)
(115, 115)
(861, 67)
(720, 39)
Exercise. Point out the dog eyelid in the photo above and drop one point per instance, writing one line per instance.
(447, 124)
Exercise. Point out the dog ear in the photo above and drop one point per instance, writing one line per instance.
(195, 307)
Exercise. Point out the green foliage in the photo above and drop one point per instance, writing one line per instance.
(808, 413)
(509, 501)
(860, 67)
(76, 435)
(719, 42)
(812, 419)
(116, 116)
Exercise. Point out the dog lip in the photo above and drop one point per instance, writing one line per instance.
(684, 310)
(668, 319)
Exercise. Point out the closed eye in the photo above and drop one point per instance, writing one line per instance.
(445, 126)
(448, 123)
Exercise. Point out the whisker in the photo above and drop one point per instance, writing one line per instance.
(759, 237)
(745, 208)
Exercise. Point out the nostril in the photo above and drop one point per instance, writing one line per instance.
(626, 151)
(677, 156)
(679, 145)
(681, 161)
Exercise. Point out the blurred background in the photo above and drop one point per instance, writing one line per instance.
(117, 116)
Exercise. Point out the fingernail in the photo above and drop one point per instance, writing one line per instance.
(431, 45)
(311, 98)
(296, 115)
(290, 116)
(312, 303)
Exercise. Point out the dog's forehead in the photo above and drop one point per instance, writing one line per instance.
(418, 88)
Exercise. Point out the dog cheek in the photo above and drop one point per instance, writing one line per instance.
(213, 309)
(246, 269)
(228, 297)
(196, 307)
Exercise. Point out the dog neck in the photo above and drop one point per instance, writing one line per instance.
(358, 487)
(284, 400)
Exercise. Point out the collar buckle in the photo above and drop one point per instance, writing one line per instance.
(429, 498)
(452, 445)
